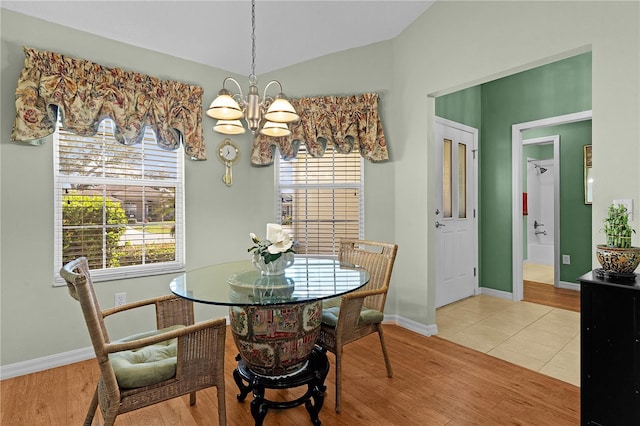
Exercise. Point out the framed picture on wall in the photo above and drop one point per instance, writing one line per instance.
(588, 177)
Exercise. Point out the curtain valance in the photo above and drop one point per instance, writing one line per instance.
(85, 93)
(346, 121)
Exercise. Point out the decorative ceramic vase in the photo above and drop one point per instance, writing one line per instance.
(276, 340)
(618, 260)
(275, 267)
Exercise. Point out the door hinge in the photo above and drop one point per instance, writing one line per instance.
(474, 271)
(473, 151)
(474, 213)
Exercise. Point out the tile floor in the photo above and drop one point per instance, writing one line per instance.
(537, 272)
(537, 337)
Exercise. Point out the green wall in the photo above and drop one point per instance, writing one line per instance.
(555, 89)
(463, 106)
(575, 215)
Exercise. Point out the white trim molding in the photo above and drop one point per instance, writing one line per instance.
(45, 363)
(417, 327)
(516, 185)
(496, 293)
(65, 358)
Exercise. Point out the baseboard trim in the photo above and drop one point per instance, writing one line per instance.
(417, 327)
(58, 360)
(496, 293)
(45, 363)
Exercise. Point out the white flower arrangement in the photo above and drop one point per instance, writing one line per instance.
(277, 242)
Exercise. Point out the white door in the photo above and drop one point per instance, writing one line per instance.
(456, 223)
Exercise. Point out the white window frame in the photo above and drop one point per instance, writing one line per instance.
(121, 272)
(328, 156)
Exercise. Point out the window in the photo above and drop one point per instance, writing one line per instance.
(119, 205)
(321, 200)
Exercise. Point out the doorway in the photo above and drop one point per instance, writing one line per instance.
(517, 203)
(541, 213)
(456, 218)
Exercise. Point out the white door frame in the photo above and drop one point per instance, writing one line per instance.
(555, 139)
(516, 184)
(474, 132)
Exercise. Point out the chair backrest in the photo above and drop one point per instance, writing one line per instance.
(76, 274)
(377, 258)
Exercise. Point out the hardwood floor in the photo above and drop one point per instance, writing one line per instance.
(436, 382)
(548, 295)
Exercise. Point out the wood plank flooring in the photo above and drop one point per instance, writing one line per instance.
(436, 382)
(548, 295)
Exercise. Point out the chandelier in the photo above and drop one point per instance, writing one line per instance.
(228, 109)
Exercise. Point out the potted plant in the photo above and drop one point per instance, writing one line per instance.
(618, 256)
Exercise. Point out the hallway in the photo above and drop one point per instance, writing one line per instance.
(541, 338)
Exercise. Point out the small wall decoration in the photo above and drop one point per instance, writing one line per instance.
(588, 177)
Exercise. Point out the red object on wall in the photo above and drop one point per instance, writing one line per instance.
(525, 209)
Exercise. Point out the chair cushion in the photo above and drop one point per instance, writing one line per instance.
(367, 316)
(334, 302)
(148, 365)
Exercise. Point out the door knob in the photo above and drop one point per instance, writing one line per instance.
(438, 224)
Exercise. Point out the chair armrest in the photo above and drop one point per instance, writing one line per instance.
(129, 306)
(170, 310)
(179, 333)
(363, 294)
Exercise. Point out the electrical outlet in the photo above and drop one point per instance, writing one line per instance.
(120, 299)
(566, 259)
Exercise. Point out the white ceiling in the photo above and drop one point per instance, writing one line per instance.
(218, 33)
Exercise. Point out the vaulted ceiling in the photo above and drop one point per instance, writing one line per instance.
(218, 33)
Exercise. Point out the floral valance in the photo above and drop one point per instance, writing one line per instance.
(345, 121)
(85, 93)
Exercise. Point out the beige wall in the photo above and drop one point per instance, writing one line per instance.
(453, 45)
(37, 319)
(460, 44)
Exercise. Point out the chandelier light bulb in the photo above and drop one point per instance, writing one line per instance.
(229, 127)
(224, 107)
(281, 111)
(275, 129)
(229, 109)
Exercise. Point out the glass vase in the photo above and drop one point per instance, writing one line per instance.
(275, 267)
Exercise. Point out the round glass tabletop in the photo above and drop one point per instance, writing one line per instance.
(239, 283)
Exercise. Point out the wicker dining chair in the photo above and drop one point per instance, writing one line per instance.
(178, 358)
(358, 314)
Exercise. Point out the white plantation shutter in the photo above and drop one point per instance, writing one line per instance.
(320, 200)
(121, 206)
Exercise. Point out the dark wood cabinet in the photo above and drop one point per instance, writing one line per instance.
(609, 351)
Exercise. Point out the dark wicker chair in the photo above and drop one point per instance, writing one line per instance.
(200, 350)
(358, 314)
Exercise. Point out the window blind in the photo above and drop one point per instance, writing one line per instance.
(119, 205)
(320, 200)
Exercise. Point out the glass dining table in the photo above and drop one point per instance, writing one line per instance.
(275, 321)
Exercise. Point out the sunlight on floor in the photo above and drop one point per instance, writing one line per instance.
(537, 337)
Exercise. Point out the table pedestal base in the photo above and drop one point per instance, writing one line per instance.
(312, 375)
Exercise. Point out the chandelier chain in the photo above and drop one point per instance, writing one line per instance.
(253, 37)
